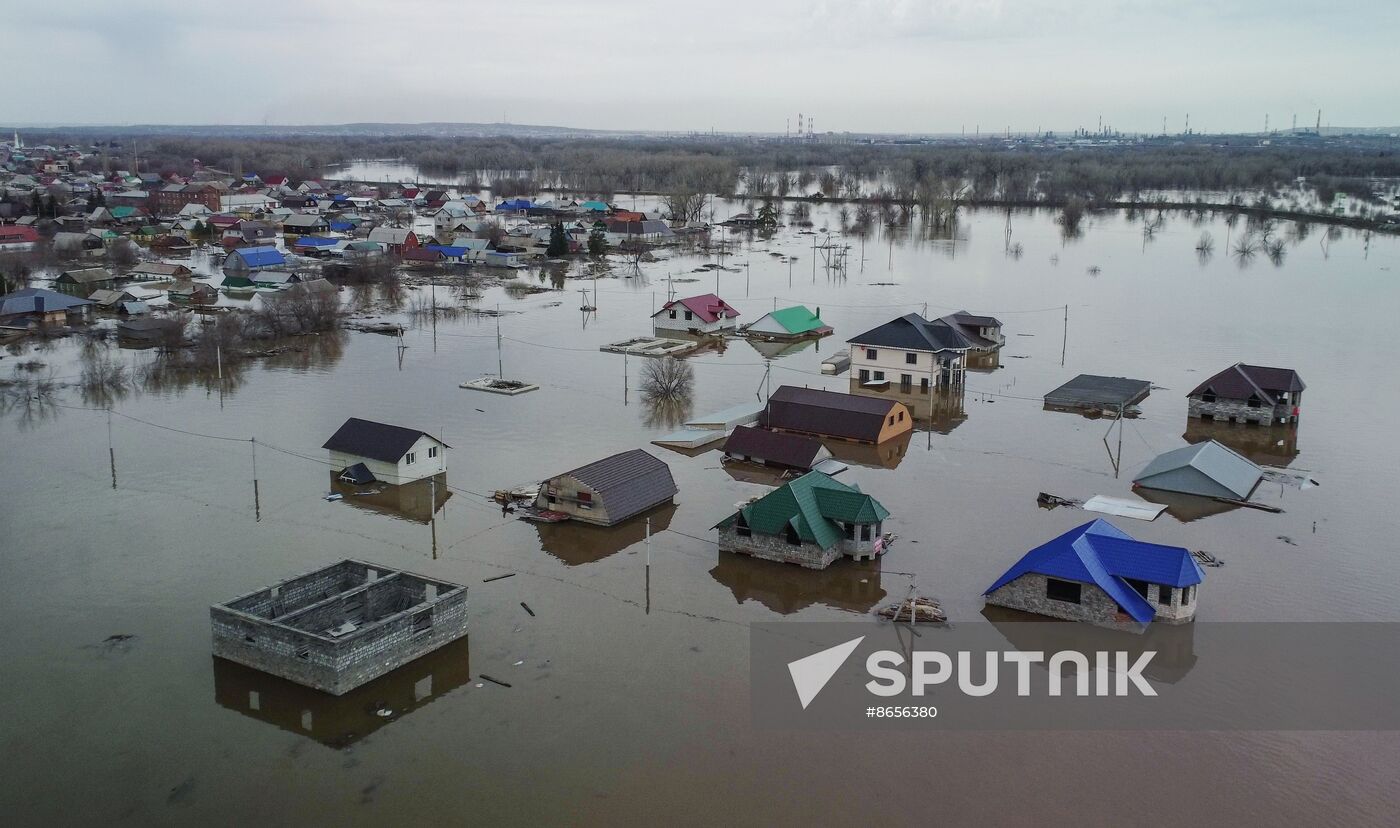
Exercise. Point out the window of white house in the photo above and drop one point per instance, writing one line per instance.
(905, 381)
(673, 314)
(869, 353)
(585, 500)
(410, 457)
(879, 376)
(432, 451)
(911, 359)
(689, 316)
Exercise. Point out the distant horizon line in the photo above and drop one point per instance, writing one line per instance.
(508, 125)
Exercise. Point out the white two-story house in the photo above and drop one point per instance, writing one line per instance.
(911, 351)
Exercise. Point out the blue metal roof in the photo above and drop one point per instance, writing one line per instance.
(342, 226)
(515, 204)
(25, 300)
(260, 256)
(448, 250)
(316, 241)
(1101, 553)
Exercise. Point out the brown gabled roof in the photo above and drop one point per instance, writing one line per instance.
(815, 411)
(1240, 381)
(791, 450)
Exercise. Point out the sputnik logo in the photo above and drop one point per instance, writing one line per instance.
(811, 673)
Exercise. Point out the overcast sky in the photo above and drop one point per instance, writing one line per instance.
(750, 65)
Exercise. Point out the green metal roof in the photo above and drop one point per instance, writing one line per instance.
(811, 505)
(797, 319)
(121, 212)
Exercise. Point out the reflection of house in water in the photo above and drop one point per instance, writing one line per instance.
(847, 585)
(940, 410)
(777, 349)
(577, 543)
(1265, 446)
(341, 721)
(886, 455)
(411, 501)
(1174, 644)
(1185, 507)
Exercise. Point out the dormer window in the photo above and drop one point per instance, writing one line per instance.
(1208, 396)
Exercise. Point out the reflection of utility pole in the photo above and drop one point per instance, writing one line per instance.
(648, 567)
(500, 364)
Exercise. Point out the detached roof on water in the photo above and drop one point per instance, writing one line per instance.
(1095, 392)
(792, 450)
(814, 506)
(1101, 553)
(377, 441)
(1240, 381)
(1208, 469)
(628, 483)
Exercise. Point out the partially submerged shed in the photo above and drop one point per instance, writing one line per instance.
(609, 491)
(1206, 469)
(1089, 392)
(338, 627)
(774, 448)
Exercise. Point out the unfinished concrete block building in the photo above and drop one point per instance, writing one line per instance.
(338, 627)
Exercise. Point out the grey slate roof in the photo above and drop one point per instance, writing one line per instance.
(26, 299)
(628, 483)
(1208, 469)
(912, 332)
(377, 441)
(1092, 391)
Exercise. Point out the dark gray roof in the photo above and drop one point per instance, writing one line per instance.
(912, 332)
(792, 450)
(831, 413)
(25, 300)
(1208, 469)
(1091, 391)
(377, 441)
(1240, 381)
(628, 483)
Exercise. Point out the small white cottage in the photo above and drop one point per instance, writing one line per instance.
(366, 451)
(704, 314)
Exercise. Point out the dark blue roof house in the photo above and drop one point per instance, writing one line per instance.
(512, 205)
(342, 226)
(1097, 573)
(245, 259)
(452, 252)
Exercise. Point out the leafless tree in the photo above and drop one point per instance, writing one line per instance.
(667, 378)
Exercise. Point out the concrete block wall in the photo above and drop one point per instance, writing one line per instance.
(1027, 593)
(776, 548)
(1239, 411)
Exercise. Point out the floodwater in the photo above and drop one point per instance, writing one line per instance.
(629, 697)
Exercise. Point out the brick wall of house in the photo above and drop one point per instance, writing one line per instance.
(1027, 593)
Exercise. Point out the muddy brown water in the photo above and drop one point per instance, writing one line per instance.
(627, 706)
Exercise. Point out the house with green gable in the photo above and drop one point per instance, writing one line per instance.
(810, 521)
(796, 322)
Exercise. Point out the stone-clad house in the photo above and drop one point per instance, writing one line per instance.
(811, 521)
(1097, 573)
(1249, 394)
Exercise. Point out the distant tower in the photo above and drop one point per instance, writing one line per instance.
(799, 125)
(1295, 123)
(1188, 123)
(1266, 123)
(1319, 122)
(20, 144)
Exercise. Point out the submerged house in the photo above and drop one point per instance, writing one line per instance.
(774, 448)
(341, 626)
(245, 260)
(705, 314)
(1206, 469)
(609, 491)
(810, 521)
(832, 414)
(1248, 394)
(395, 239)
(366, 451)
(1099, 574)
(912, 349)
(42, 307)
(796, 322)
(1093, 394)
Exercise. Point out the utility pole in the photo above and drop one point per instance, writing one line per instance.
(1064, 343)
(500, 363)
(648, 567)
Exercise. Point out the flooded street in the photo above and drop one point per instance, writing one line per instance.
(628, 696)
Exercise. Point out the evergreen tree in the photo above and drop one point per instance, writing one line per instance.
(767, 216)
(558, 242)
(598, 240)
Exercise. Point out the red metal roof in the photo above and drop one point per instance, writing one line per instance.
(708, 307)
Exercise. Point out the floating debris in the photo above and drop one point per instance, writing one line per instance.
(527, 609)
(495, 680)
(1049, 501)
(923, 610)
(333, 496)
(1204, 558)
(497, 577)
